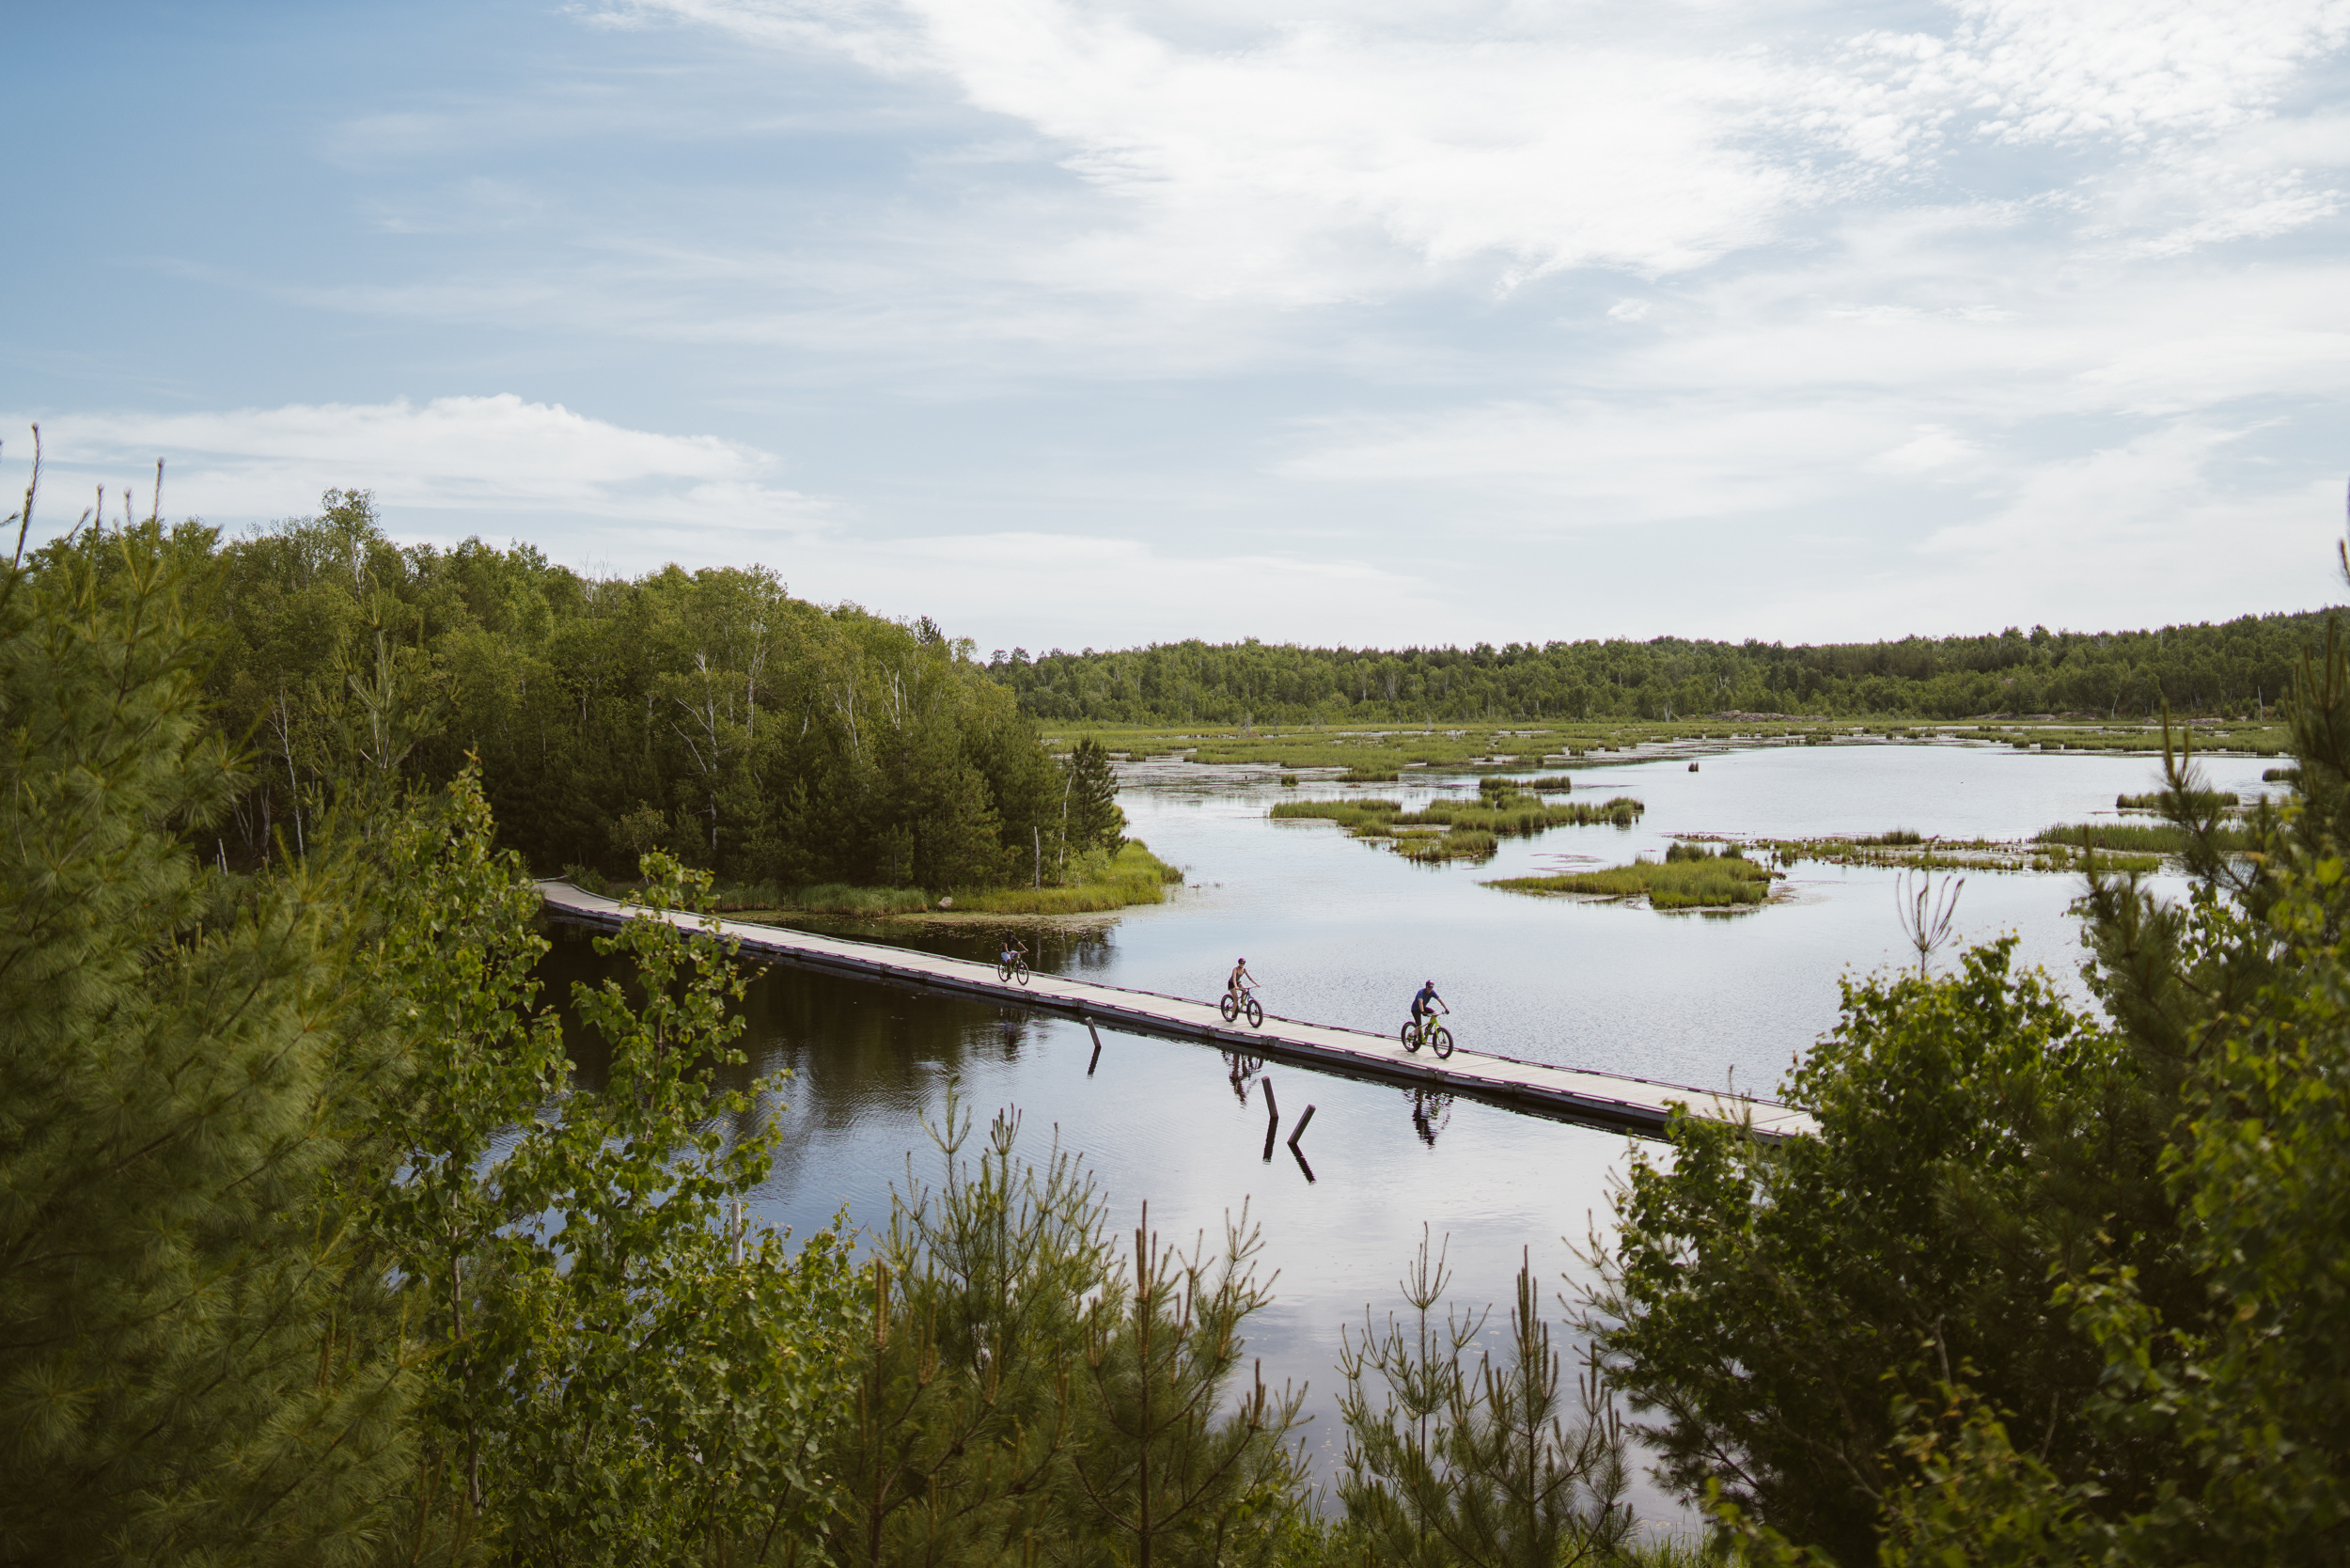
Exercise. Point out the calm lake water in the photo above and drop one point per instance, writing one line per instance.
(1342, 931)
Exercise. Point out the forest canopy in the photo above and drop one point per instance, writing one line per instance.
(707, 714)
(2240, 667)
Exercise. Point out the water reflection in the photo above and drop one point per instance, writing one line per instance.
(1430, 1111)
(1343, 935)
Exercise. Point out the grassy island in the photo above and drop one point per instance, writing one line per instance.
(1463, 829)
(1691, 876)
(1096, 881)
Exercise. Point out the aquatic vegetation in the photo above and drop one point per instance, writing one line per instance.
(2201, 800)
(1458, 843)
(1457, 830)
(823, 898)
(1502, 788)
(1100, 881)
(1349, 813)
(1689, 878)
(1133, 875)
(2141, 838)
(1914, 852)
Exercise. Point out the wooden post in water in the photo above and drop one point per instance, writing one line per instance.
(1097, 1047)
(1299, 1131)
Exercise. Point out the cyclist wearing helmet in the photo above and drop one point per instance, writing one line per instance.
(1426, 1004)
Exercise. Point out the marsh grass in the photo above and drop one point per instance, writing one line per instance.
(2138, 837)
(1372, 755)
(2201, 800)
(826, 898)
(1350, 812)
(1510, 815)
(1101, 882)
(1133, 875)
(1911, 852)
(1693, 879)
(1458, 843)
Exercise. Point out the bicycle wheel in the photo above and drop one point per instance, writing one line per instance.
(1227, 1007)
(1003, 970)
(1020, 970)
(1442, 1040)
(1256, 1014)
(1410, 1037)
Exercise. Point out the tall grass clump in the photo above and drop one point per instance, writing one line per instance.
(2197, 800)
(1457, 843)
(1693, 879)
(1349, 813)
(1523, 815)
(1101, 881)
(2142, 837)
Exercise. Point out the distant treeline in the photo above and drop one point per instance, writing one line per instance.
(2235, 668)
(709, 714)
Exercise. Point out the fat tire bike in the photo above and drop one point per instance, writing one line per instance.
(1012, 968)
(1234, 1005)
(1431, 1034)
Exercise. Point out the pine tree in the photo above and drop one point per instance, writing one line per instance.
(1481, 1469)
(191, 1361)
(1090, 816)
(1163, 1472)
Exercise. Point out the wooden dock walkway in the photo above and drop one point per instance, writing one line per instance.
(1565, 1094)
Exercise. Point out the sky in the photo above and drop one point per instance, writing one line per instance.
(1396, 321)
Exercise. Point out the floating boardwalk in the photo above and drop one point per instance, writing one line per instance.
(1531, 1088)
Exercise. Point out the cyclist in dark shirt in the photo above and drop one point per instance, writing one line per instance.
(1237, 987)
(1427, 1004)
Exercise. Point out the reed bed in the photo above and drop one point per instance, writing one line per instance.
(1458, 843)
(1949, 855)
(2200, 800)
(1689, 878)
(823, 898)
(2138, 837)
(1133, 875)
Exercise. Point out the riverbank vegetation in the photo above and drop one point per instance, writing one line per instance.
(316, 1246)
(2236, 669)
(1690, 876)
(707, 715)
(2067, 1279)
(1378, 753)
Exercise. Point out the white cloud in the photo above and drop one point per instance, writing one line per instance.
(479, 457)
(1259, 153)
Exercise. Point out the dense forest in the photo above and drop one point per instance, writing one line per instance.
(708, 714)
(2237, 669)
(316, 1247)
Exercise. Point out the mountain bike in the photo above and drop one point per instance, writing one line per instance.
(1431, 1034)
(1012, 966)
(1245, 1001)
